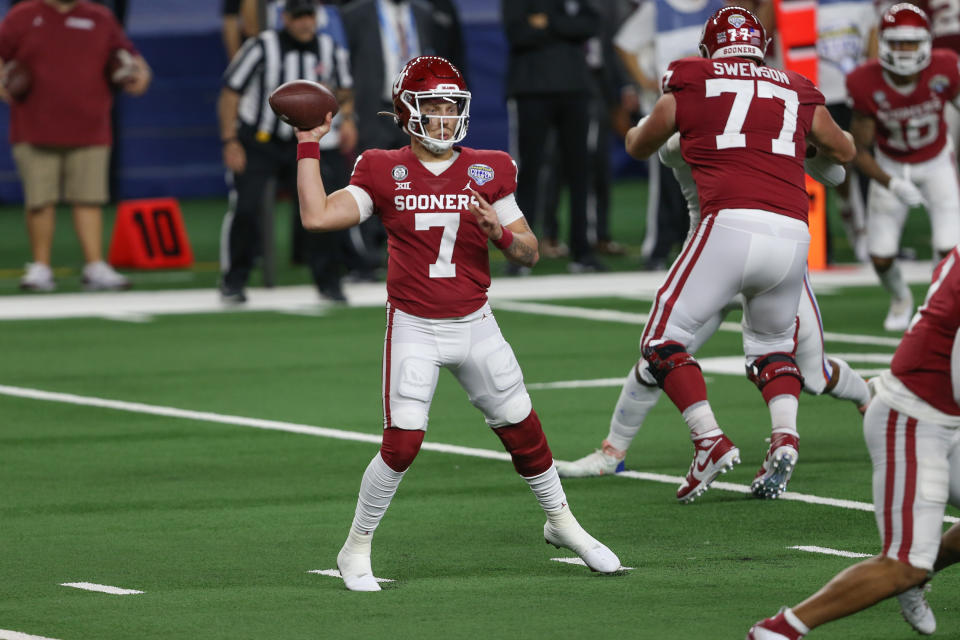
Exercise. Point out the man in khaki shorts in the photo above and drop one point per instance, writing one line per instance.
(60, 130)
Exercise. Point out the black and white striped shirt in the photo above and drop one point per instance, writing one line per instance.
(273, 58)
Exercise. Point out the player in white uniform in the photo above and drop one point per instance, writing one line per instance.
(434, 199)
(821, 374)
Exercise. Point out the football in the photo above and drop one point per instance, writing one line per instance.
(120, 67)
(303, 104)
(16, 80)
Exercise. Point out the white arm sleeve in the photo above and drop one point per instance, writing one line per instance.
(670, 154)
(955, 367)
(824, 171)
(507, 209)
(364, 201)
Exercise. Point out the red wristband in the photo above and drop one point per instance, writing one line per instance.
(505, 240)
(308, 150)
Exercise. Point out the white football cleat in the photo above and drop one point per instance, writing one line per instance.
(899, 315)
(916, 610)
(356, 571)
(37, 277)
(777, 468)
(602, 462)
(99, 276)
(711, 457)
(594, 553)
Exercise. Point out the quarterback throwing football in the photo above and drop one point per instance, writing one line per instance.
(441, 205)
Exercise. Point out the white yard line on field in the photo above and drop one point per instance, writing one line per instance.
(335, 573)
(6, 634)
(831, 552)
(102, 588)
(623, 317)
(340, 434)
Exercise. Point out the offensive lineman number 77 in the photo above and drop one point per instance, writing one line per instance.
(744, 92)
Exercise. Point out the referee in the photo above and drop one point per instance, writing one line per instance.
(258, 147)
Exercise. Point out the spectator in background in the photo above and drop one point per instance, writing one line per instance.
(60, 131)
(268, 14)
(645, 43)
(232, 30)
(258, 147)
(383, 35)
(843, 37)
(548, 86)
(609, 78)
(448, 33)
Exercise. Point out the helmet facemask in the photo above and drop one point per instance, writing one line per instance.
(418, 122)
(904, 62)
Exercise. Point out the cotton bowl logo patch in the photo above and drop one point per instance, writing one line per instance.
(939, 83)
(399, 172)
(480, 173)
(736, 20)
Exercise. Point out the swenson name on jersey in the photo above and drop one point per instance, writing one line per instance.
(749, 69)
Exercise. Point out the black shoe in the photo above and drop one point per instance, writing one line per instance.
(513, 269)
(586, 264)
(332, 293)
(232, 295)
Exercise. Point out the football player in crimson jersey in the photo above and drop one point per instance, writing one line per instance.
(821, 374)
(898, 107)
(441, 206)
(744, 130)
(912, 429)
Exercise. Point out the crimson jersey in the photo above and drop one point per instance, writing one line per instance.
(438, 256)
(910, 128)
(922, 361)
(743, 132)
(67, 53)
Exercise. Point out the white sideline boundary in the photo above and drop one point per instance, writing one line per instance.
(140, 306)
(341, 434)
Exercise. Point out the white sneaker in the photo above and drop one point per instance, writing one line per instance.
(37, 277)
(916, 610)
(899, 315)
(602, 462)
(356, 571)
(99, 276)
(595, 554)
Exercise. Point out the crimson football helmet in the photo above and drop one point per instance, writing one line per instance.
(430, 78)
(901, 23)
(734, 32)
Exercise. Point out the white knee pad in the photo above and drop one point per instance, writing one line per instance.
(416, 381)
(507, 400)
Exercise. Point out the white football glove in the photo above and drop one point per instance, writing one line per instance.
(824, 171)
(906, 191)
(670, 154)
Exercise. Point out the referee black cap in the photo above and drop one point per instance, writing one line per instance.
(297, 8)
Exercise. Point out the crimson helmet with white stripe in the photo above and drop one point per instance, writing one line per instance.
(734, 32)
(430, 78)
(904, 23)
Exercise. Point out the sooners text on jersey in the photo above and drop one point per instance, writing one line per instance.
(922, 361)
(743, 132)
(910, 127)
(438, 256)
